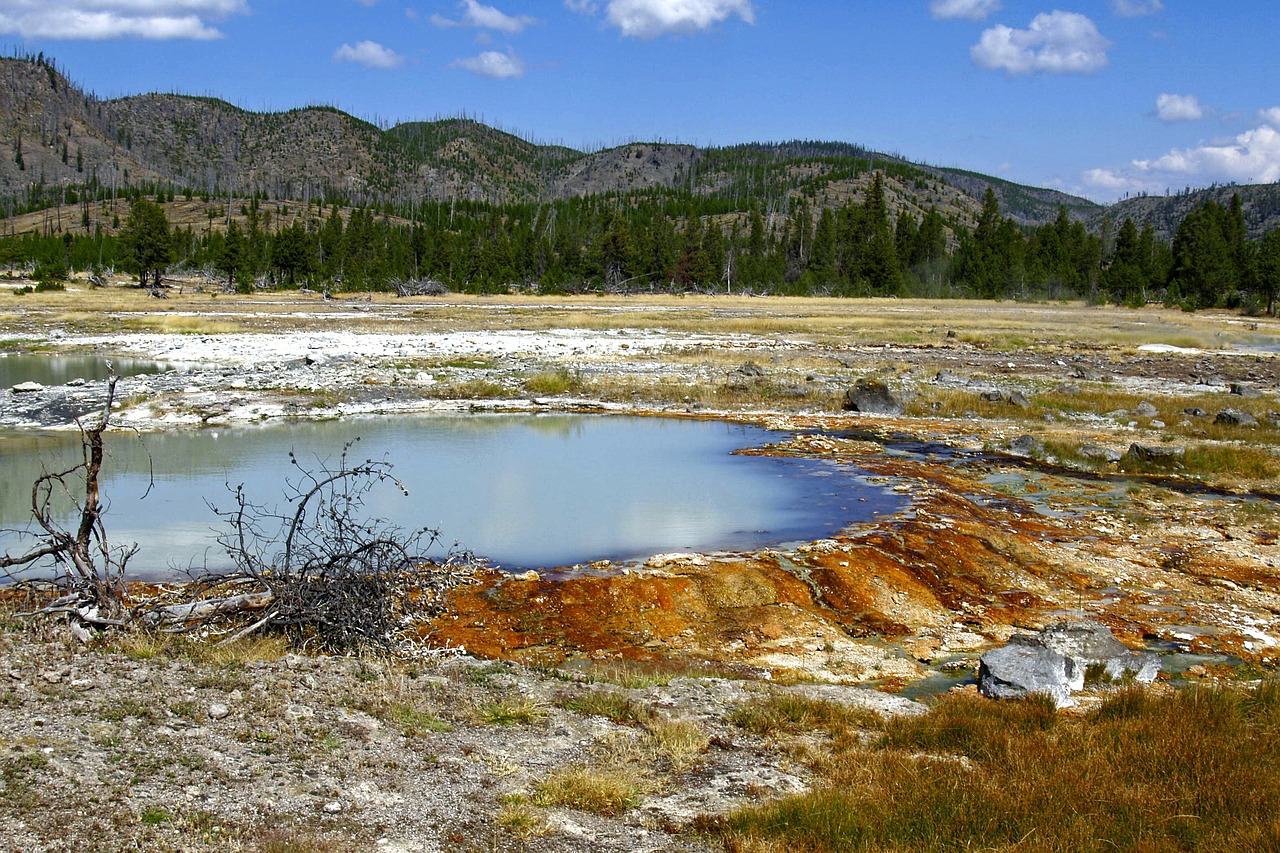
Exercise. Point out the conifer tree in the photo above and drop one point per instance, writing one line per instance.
(822, 258)
(1268, 279)
(231, 258)
(148, 249)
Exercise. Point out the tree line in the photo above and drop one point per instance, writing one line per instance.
(659, 241)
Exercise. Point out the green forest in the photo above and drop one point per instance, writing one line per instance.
(660, 241)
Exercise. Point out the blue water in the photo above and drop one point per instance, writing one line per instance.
(521, 490)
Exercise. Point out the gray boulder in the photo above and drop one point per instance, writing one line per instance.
(1024, 667)
(1195, 412)
(1248, 392)
(1055, 662)
(873, 397)
(1091, 644)
(1026, 445)
(1156, 454)
(1145, 410)
(750, 368)
(1235, 417)
(1100, 453)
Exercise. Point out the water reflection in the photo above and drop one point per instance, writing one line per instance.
(61, 369)
(522, 490)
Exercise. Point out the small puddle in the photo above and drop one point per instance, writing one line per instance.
(524, 491)
(937, 683)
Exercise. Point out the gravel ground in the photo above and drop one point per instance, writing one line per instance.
(131, 747)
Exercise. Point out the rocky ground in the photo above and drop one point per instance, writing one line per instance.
(138, 747)
(1023, 509)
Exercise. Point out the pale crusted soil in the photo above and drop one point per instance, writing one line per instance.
(106, 751)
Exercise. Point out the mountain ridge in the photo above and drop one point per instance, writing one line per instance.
(59, 135)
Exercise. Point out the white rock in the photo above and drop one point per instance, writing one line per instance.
(27, 387)
(219, 711)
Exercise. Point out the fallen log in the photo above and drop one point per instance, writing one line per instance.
(177, 614)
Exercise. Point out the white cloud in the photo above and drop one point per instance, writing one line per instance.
(110, 19)
(484, 17)
(1108, 179)
(370, 54)
(1171, 108)
(969, 10)
(494, 65)
(1056, 42)
(1253, 157)
(1136, 8)
(582, 7)
(647, 19)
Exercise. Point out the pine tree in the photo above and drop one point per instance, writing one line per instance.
(931, 239)
(1204, 269)
(822, 258)
(715, 253)
(616, 251)
(1268, 278)
(799, 241)
(231, 258)
(148, 248)
(905, 236)
(879, 264)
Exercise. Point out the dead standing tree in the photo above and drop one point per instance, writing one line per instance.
(88, 572)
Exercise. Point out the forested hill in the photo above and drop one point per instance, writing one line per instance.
(1260, 205)
(59, 135)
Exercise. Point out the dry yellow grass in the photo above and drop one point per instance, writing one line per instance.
(1185, 770)
(606, 791)
(681, 742)
(824, 322)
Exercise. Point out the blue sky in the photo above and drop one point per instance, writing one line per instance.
(1096, 97)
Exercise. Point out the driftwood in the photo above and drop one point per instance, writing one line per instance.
(204, 609)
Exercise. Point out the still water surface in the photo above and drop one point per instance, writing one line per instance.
(61, 369)
(521, 490)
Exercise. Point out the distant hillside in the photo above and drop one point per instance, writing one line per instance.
(1028, 205)
(1260, 202)
(58, 135)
